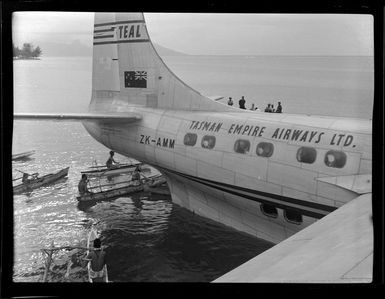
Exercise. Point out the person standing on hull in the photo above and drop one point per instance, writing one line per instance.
(279, 108)
(111, 163)
(98, 260)
(242, 103)
(230, 102)
(268, 108)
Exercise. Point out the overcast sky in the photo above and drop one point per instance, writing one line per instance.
(217, 34)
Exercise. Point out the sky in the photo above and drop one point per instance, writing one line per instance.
(216, 34)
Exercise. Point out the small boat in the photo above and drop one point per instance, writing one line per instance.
(22, 156)
(37, 182)
(157, 185)
(155, 181)
(91, 237)
(121, 169)
(109, 194)
(147, 182)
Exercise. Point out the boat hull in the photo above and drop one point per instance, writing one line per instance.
(108, 194)
(110, 172)
(39, 182)
(22, 156)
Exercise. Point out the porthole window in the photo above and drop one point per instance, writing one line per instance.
(190, 139)
(335, 159)
(208, 141)
(306, 155)
(269, 210)
(293, 216)
(265, 149)
(242, 146)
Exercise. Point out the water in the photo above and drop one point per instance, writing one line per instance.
(148, 238)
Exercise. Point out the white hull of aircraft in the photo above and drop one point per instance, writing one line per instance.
(267, 174)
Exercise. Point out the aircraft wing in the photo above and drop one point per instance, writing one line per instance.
(336, 249)
(126, 117)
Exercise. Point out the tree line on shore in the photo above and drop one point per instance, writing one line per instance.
(27, 51)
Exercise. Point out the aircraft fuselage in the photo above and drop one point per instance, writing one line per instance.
(258, 172)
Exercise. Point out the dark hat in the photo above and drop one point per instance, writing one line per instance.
(84, 176)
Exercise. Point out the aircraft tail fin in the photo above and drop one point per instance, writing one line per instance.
(127, 70)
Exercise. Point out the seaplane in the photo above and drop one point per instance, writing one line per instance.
(302, 182)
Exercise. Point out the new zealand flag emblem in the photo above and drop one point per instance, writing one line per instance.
(136, 79)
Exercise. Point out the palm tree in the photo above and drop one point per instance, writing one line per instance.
(37, 52)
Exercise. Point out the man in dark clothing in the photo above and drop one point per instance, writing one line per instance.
(97, 258)
(279, 108)
(135, 178)
(230, 102)
(242, 102)
(111, 163)
(82, 186)
(268, 108)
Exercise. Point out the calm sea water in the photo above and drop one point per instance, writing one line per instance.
(148, 238)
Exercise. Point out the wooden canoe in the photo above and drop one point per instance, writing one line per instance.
(157, 185)
(22, 155)
(109, 194)
(124, 169)
(148, 182)
(40, 181)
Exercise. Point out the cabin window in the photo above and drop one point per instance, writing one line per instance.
(190, 139)
(306, 155)
(242, 146)
(335, 159)
(208, 141)
(293, 216)
(269, 210)
(265, 149)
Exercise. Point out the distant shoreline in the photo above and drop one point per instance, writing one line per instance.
(26, 58)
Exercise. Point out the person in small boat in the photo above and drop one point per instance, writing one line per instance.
(28, 177)
(111, 163)
(82, 186)
(25, 179)
(135, 178)
(98, 260)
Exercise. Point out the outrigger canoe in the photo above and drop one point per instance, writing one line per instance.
(22, 155)
(123, 169)
(151, 182)
(91, 237)
(40, 181)
(108, 194)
